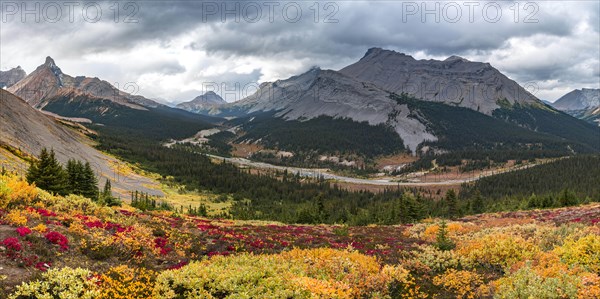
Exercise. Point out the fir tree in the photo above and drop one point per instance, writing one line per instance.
(48, 174)
(74, 176)
(89, 182)
(477, 205)
(442, 241)
(451, 203)
(107, 192)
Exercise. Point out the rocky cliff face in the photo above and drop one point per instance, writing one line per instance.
(48, 82)
(440, 100)
(330, 93)
(581, 103)
(12, 76)
(578, 99)
(454, 81)
(203, 103)
(25, 128)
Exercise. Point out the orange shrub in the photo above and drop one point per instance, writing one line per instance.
(122, 282)
(464, 284)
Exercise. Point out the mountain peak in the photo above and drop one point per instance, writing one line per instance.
(204, 102)
(578, 99)
(376, 52)
(49, 62)
(455, 58)
(10, 77)
(454, 81)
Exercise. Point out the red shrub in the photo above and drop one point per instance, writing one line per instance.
(23, 231)
(58, 239)
(12, 244)
(43, 266)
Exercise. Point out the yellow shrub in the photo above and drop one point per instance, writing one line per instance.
(40, 228)
(584, 252)
(454, 229)
(22, 192)
(357, 271)
(464, 284)
(15, 191)
(60, 283)
(313, 273)
(122, 282)
(498, 249)
(527, 283)
(435, 259)
(16, 218)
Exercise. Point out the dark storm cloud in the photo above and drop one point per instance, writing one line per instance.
(358, 26)
(329, 34)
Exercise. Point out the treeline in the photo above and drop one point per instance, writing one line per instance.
(323, 135)
(76, 178)
(564, 182)
(145, 202)
(514, 132)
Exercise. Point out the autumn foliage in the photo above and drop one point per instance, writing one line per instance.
(72, 247)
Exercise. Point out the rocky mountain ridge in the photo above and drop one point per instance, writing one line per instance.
(203, 103)
(453, 81)
(12, 76)
(578, 99)
(330, 93)
(48, 82)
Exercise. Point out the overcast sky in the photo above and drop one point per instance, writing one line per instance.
(173, 50)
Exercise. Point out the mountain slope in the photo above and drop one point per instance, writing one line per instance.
(12, 76)
(510, 120)
(48, 81)
(578, 99)
(203, 103)
(454, 81)
(581, 103)
(28, 130)
(48, 88)
(330, 93)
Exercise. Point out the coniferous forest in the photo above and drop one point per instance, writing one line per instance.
(288, 198)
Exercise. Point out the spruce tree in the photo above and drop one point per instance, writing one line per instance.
(48, 174)
(477, 205)
(106, 196)
(89, 182)
(442, 240)
(451, 203)
(75, 176)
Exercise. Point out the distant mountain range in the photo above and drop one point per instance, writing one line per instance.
(582, 103)
(385, 103)
(454, 81)
(49, 89)
(203, 104)
(12, 76)
(439, 106)
(48, 83)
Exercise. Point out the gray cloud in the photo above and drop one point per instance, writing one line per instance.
(185, 43)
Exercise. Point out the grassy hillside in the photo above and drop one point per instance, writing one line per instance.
(70, 247)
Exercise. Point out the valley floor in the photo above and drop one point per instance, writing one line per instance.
(422, 179)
